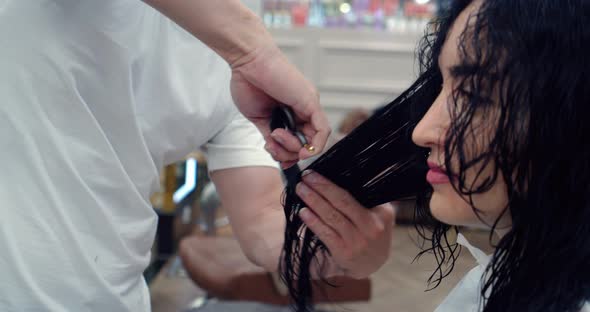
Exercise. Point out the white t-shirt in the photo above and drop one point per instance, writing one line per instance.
(95, 97)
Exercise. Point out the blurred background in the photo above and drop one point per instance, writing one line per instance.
(360, 54)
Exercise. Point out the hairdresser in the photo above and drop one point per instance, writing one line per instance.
(260, 77)
(96, 97)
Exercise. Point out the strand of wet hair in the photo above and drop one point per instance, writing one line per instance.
(377, 163)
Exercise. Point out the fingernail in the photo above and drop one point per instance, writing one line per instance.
(309, 148)
(277, 138)
(311, 177)
(304, 214)
(302, 189)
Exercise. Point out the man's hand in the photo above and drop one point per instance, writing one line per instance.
(263, 81)
(359, 239)
(262, 76)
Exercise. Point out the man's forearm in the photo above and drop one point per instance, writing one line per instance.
(251, 197)
(262, 239)
(226, 26)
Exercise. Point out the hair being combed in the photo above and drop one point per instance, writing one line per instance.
(377, 163)
(526, 64)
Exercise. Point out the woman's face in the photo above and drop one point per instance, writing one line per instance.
(446, 204)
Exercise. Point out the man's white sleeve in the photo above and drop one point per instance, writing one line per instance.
(238, 144)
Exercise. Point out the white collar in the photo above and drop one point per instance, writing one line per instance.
(483, 260)
(480, 256)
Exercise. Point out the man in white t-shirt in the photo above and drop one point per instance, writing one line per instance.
(96, 97)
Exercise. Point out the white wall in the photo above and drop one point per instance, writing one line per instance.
(351, 68)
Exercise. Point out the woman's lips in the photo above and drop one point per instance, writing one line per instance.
(436, 174)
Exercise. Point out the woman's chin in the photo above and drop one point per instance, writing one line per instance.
(449, 208)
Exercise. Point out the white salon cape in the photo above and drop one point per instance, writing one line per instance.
(96, 96)
(465, 297)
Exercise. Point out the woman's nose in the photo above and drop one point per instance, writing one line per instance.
(431, 129)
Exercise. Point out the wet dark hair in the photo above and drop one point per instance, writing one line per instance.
(525, 69)
(377, 163)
